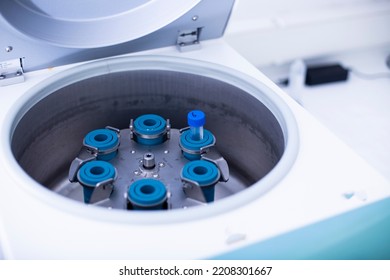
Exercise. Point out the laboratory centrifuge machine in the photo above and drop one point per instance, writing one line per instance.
(133, 131)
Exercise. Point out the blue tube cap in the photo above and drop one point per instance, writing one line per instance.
(203, 172)
(92, 173)
(196, 118)
(194, 146)
(147, 193)
(103, 140)
(150, 125)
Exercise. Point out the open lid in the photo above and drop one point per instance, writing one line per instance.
(47, 33)
(91, 23)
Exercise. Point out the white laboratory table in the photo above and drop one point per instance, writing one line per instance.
(357, 110)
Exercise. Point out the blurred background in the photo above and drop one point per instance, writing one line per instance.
(286, 38)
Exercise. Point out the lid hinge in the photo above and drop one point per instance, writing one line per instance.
(188, 40)
(11, 72)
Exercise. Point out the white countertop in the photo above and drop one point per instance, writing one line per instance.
(357, 110)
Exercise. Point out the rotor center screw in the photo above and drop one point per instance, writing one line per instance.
(149, 161)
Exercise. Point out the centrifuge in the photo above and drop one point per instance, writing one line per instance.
(134, 131)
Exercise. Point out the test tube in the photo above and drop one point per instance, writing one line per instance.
(196, 120)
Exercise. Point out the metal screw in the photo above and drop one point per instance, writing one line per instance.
(149, 161)
(195, 18)
(2, 77)
(18, 73)
(9, 49)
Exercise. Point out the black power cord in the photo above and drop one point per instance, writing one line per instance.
(370, 76)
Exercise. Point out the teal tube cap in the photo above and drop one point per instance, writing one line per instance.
(103, 140)
(205, 173)
(147, 194)
(147, 126)
(194, 146)
(92, 173)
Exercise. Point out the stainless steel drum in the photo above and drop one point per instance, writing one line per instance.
(255, 131)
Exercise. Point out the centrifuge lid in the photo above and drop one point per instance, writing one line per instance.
(48, 33)
(91, 23)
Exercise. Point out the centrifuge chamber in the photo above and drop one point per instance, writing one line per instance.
(287, 171)
(252, 128)
(255, 131)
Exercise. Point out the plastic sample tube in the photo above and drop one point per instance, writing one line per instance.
(196, 120)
